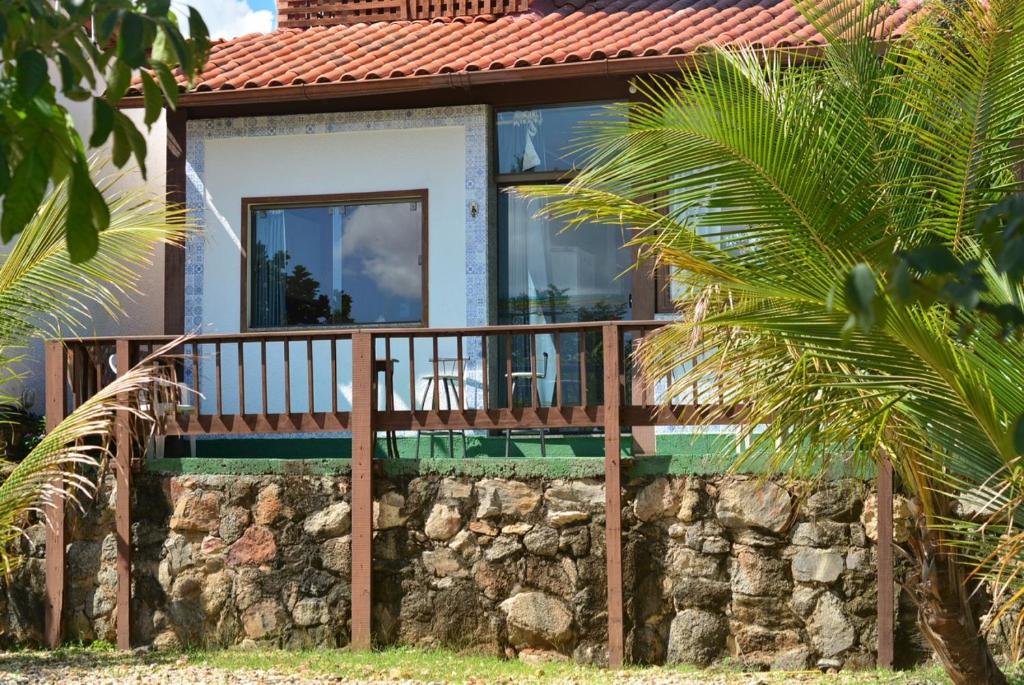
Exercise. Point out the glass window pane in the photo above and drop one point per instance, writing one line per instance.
(544, 138)
(336, 264)
(549, 274)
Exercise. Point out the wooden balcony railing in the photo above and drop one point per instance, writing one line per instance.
(487, 378)
(361, 381)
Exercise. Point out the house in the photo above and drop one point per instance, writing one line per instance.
(362, 268)
(352, 168)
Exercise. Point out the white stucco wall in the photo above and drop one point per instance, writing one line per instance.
(345, 153)
(143, 311)
(329, 164)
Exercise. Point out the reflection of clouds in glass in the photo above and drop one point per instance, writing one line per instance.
(386, 238)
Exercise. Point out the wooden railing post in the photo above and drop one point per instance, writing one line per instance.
(56, 409)
(644, 438)
(123, 505)
(886, 580)
(363, 405)
(613, 493)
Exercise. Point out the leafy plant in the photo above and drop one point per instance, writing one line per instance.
(44, 294)
(96, 47)
(778, 187)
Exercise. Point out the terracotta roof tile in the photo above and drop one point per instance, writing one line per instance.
(552, 32)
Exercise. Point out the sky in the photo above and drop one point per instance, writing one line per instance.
(229, 18)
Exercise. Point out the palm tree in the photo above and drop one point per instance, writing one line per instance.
(777, 186)
(42, 294)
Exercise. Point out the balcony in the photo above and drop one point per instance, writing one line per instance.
(576, 377)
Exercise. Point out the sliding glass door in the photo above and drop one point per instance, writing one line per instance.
(547, 271)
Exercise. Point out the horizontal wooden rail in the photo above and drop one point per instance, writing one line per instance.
(494, 378)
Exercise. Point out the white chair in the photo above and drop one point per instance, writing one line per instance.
(448, 382)
(155, 443)
(527, 376)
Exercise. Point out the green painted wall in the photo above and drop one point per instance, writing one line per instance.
(566, 457)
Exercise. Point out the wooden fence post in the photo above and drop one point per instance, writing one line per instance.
(886, 580)
(123, 505)
(613, 493)
(363, 405)
(644, 437)
(56, 409)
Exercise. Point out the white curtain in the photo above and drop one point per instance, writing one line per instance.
(269, 268)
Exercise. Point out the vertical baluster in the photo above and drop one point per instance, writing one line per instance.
(194, 363)
(484, 371)
(309, 373)
(412, 373)
(263, 378)
(462, 377)
(532, 339)
(241, 377)
(334, 375)
(218, 384)
(389, 391)
(97, 366)
(508, 368)
(583, 367)
(558, 369)
(437, 390)
(287, 376)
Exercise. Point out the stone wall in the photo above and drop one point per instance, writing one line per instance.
(775, 575)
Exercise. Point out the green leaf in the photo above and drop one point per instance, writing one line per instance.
(902, 282)
(153, 97)
(5, 175)
(158, 8)
(181, 48)
(82, 233)
(128, 141)
(107, 24)
(162, 52)
(25, 192)
(131, 44)
(199, 35)
(77, 55)
(168, 83)
(1018, 435)
(860, 295)
(1011, 259)
(118, 78)
(102, 122)
(121, 150)
(68, 78)
(936, 259)
(31, 73)
(3, 28)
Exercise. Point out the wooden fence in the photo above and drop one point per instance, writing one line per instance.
(555, 376)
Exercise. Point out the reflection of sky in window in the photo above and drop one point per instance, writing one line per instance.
(376, 261)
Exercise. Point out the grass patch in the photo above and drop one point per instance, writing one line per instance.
(451, 667)
(428, 666)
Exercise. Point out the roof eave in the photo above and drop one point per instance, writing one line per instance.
(621, 67)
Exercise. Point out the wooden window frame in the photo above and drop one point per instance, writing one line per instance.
(663, 303)
(377, 197)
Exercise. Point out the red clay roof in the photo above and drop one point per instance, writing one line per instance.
(552, 32)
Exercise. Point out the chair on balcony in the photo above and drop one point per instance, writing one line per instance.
(156, 441)
(517, 377)
(448, 381)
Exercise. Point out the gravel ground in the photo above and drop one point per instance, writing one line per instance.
(64, 668)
